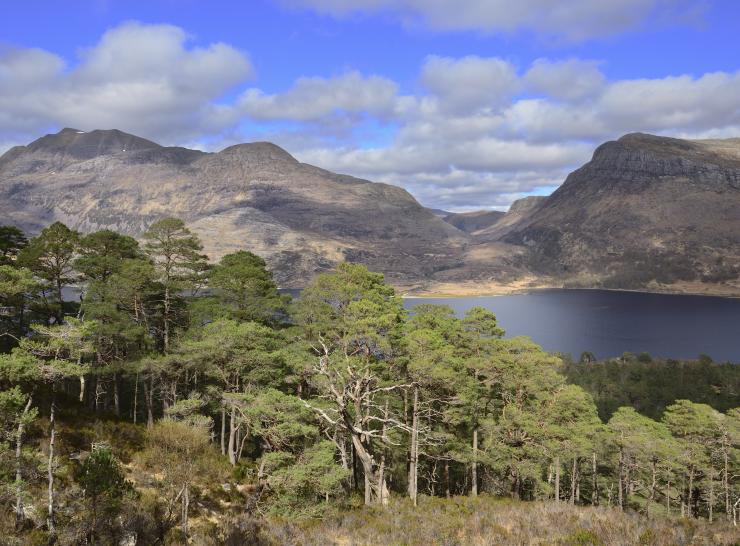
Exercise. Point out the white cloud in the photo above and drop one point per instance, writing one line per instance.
(674, 103)
(317, 98)
(569, 19)
(139, 78)
(469, 83)
(571, 79)
(486, 154)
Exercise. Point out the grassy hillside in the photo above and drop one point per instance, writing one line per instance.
(487, 521)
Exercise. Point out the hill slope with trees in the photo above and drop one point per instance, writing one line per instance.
(181, 401)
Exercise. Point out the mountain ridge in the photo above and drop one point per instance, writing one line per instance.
(645, 212)
(302, 218)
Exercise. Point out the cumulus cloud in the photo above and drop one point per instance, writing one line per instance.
(674, 103)
(487, 154)
(572, 19)
(139, 78)
(469, 83)
(571, 79)
(315, 98)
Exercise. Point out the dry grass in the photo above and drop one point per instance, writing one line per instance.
(489, 521)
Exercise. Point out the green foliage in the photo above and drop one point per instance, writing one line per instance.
(15, 282)
(175, 251)
(280, 421)
(102, 254)
(245, 287)
(12, 241)
(652, 385)
(300, 483)
(102, 478)
(352, 307)
(178, 267)
(19, 367)
(17, 286)
(50, 256)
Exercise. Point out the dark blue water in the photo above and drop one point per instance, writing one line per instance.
(609, 323)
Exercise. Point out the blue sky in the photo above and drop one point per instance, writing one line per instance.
(466, 103)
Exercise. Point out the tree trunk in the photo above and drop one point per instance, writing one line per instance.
(50, 470)
(447, 478)
(627, 486)
(375, 489)
(60, 316)
(136, 398)
(653, 482)
(164, 396)
(232, 436)
(382, 458)
(223, 430)
(185, 509)
(381, 479)
(689, 499)
(166, 325)
(711, 496)
(242, 440)
(573, 478)
(557, 479)
(19, 509)
(474, 466)
(354, 481)
(116, 397)
(368, 490)
(98, 393)
(726, 483)
(414, 462)
(621, 480)
(149, 395)
(668, 498)
(82, 388)
(343, 454)
(594, 482)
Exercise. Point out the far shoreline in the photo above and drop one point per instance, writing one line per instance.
(503, 291)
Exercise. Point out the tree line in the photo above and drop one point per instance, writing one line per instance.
(650, 384)
(309, 404)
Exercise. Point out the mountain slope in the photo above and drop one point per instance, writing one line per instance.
(645, 210)
(519, 211)
(470, 222)
(302, 219)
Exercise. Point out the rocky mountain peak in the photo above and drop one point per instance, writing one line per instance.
(258, 153)
(87, 145)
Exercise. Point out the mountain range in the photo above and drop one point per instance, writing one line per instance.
(646, 212)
